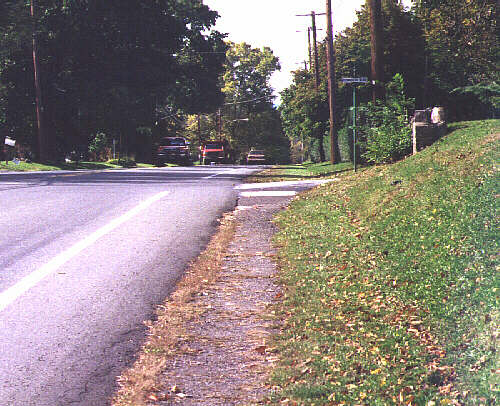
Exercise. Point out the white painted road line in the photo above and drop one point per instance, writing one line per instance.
(223, 172)
(239, 171)
(13, 183)
(269, 193)
(214, 175)
(14, 292)
(289, 183)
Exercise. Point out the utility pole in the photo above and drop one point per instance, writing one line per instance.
(377, 50)
(314, 45)
(198, 119)
(219, 124)
(330, 58)
(42, 136)
(309, 46)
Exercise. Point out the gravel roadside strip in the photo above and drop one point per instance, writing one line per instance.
(225, 356)
(210, 343)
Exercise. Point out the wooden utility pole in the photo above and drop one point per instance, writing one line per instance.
(314, 46)
(330, 60)
(42, 136)
(198, 121)
(377, 49)
(309, 46)
(219, 124)
(315, 49)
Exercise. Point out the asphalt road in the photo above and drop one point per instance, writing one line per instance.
(84, 259)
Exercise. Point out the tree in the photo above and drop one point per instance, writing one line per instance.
(305, 113)
(108, 65)
(249, 95)
(403, 50)
(462, 46)
(247, 118)
(247, 74)
(377, 47)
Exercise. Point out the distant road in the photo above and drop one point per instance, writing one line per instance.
(84, 259)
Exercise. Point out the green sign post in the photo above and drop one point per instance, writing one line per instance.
(354, 82)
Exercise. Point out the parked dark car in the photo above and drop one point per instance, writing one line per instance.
(256, 156)
(173, 149)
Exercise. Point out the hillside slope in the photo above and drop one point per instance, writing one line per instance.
(391, 281)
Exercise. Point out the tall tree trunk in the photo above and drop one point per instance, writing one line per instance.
(377, 48)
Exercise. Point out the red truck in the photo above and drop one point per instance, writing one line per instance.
(214, 151)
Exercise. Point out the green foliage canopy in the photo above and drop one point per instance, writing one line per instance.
(105, 65)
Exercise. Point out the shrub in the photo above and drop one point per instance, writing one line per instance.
(385, 133)
(126, 162)
(98, 147)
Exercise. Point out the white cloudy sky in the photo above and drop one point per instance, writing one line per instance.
(273, 23)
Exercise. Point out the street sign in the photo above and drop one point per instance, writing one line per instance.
(355, 80)
(10, 142)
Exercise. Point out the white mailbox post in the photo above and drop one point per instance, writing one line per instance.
(9, 142)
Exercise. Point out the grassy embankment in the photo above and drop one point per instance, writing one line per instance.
(391, 281)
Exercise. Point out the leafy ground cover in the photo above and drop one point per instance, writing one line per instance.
(391, 281)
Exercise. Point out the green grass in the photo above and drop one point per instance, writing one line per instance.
(307, 170)
(56, 166)
(391, 281)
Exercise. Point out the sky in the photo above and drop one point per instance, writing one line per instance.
(273, 23)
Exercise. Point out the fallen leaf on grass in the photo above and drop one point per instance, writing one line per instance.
(158, 396)
(443, 390)
(261, 349)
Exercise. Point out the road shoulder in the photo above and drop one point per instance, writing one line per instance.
(210, 343)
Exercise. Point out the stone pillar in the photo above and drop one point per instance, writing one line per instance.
(428, 126)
